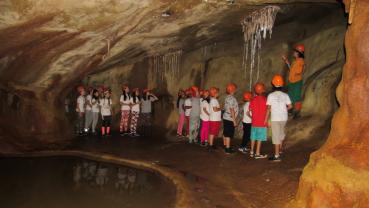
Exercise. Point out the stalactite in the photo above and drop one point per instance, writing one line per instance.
(167, 64)
(255, 27)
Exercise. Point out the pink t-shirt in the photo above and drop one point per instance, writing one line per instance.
(258, 107)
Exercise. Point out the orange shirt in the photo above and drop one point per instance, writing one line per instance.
(296, 70)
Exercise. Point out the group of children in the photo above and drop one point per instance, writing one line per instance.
(200, 111)
(98, 103)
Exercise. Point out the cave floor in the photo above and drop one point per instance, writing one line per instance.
(217, 180)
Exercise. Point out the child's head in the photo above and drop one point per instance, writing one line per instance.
(189, 93)
(95, 93)
(247, 96)
(299, 51)
(214, 92)
(231, 88)
(125, 88)
(107, 93)
(277, 82)
(205, 94)
(136, 92)
(81, 90)
(259, 88)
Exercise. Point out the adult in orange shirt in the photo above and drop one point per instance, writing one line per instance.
(296, 71)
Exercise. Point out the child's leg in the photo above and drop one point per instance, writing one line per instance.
(252, 147)
(194, 125)
(103, 126)
(258, 147)
(108, 123)
(121, 124)
(95, 118)
(181, 121)
(88, 120)
(134, 119)
(187, 125)
(204, 131)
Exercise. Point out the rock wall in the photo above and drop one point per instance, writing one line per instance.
(337, 175)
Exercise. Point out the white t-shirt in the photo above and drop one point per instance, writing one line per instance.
(246, 118)
(278, 101)
(81, 101)
(95, 105)
(203, 115)
(135, 106)
(105, 106)
(88, 100)
(188, 102)
(127, 101)
(214, 116)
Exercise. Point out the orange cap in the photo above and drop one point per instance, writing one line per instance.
(300, 48)
(247, 96)
(80, 88)
(213, 91)
(277, 80)
(231, 88)
(259, 88)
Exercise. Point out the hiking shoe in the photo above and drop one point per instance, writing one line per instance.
(203, 144)
(275, 159)
(260, 156)
(242, 150)
(252, 154)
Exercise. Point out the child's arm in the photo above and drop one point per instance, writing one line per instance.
(233, 115)
(284, 58)
(289, 106)
(206, 111)
(267, 116)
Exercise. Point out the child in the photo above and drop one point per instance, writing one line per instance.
(125, 102)
(194, 115)
(187, 108)
(246, 122)
(106, 112)
(215, 117)
(146, 110)
(80, 109)
(258, 110)
(229, 117)
(181, 111)
(278, 105)
(88, 113)
(95, 102)
(135, 111)
(204, 116)
(295, 77)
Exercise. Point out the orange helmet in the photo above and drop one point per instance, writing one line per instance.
(146, 90)
(124, 87)
(206, 93)
(247, 96)
(194, 90)
(259, 88)
(277, 80)
(300, 48)
(80, 88)
(189, 91)
(213, 91)
(231, 88)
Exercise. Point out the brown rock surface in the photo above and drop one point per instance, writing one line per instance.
(337, 175)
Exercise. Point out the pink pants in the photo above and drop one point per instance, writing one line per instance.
(204, 131)
(181, 120)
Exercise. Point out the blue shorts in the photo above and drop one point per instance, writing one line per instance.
(259, 133)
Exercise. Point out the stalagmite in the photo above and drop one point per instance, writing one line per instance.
(255, 28)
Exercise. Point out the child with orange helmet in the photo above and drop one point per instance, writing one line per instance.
(278, 104)
(106, 112)
(181, 112)
(296, 71)
(204, 116)
(246, 122)
(135, 111)
(146, 111)
(229, 117)
(194, 115)
(125, 109)
(80, 109)
(258, 111)
(187, 108)
(215, 117)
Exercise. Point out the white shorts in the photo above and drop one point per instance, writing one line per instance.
(278, 131)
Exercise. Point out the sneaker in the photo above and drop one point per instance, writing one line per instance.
(179, 135)
(228, 151)
(275, 159)
(122, 133)
(190, 141)
(243, 150)
(135, 135)
(206, 143)
(203, 144)
(260, 156)
(252, 154)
